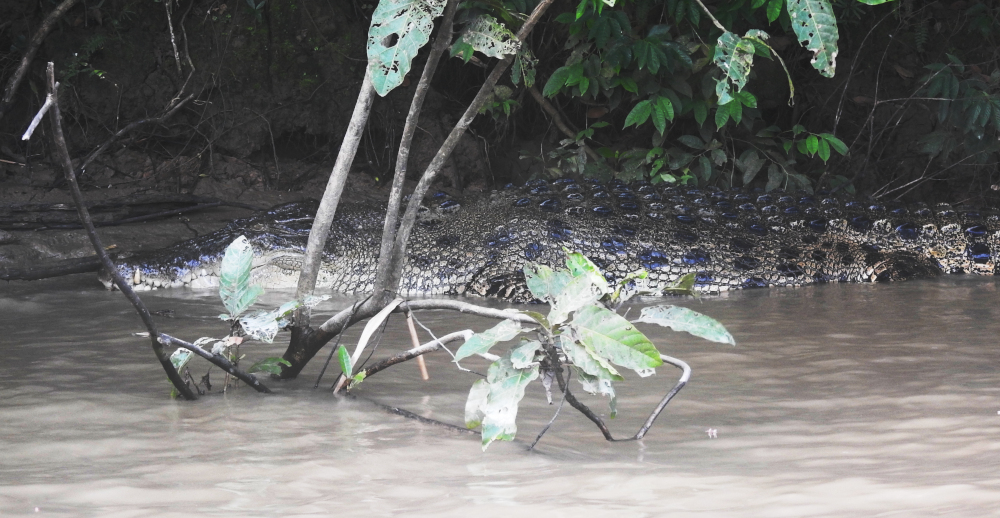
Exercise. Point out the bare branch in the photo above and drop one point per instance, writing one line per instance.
(29, 54)
(95, 240)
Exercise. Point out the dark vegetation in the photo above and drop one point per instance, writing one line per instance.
(914, 98)
(163, 95)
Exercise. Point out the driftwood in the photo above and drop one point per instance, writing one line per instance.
(116, 211)
(52, 269)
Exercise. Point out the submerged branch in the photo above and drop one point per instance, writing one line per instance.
(216, 359)
(586, 411)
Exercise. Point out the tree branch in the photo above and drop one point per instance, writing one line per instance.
(126, 288)
(29, 54)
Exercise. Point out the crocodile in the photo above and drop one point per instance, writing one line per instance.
(731, 239)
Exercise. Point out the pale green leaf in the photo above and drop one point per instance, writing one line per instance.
(734, 57)
(506, 385)
(686, 320)
(410, 23)
(490, 37)
(596, 385)
(234, 278)
(523, 355)
(586, 359)
(816, 27)
(639, 114)
(578, 293)
(481, 342)
(543, 282)
(476, 403)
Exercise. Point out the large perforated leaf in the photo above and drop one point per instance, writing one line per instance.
(734, 56)
(399, 28)
(816, 27)
(490, 37)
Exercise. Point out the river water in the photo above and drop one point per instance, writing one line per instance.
(838, 400)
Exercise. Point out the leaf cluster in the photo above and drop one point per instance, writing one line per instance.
(582, 330)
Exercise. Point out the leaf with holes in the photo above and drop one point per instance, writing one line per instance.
(544, 282)
(490, 37)
(399, 29)
(734, 57)
(816, 27)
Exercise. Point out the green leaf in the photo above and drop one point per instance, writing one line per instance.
(700, 112)
(506, 385)
(774, 9)
(719, 157)
(481, 342)
(475, 404)
(816, 27)
(837, 144)
(234, 278)
(683, 319)
(812, 144)
(344, 358)
(824, 150)
(586, 359)
(270, 365)
(774, 178)
(628, 84)
(540, 318)
(543, 282)
(639, 114)
(578, 293)
(721, 116)
(411, 23)
(522, 356)
(752, 164)
(691, 141)
(615, 339)
(556, 81)
(580, 265)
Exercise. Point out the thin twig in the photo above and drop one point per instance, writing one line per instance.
(554, 416)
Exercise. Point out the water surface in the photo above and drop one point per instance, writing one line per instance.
(839, 400)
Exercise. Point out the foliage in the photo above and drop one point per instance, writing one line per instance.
(409, 23)
(968, 110)
(582, 330)
(238, 293)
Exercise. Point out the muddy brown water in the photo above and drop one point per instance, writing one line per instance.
(838, 400)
